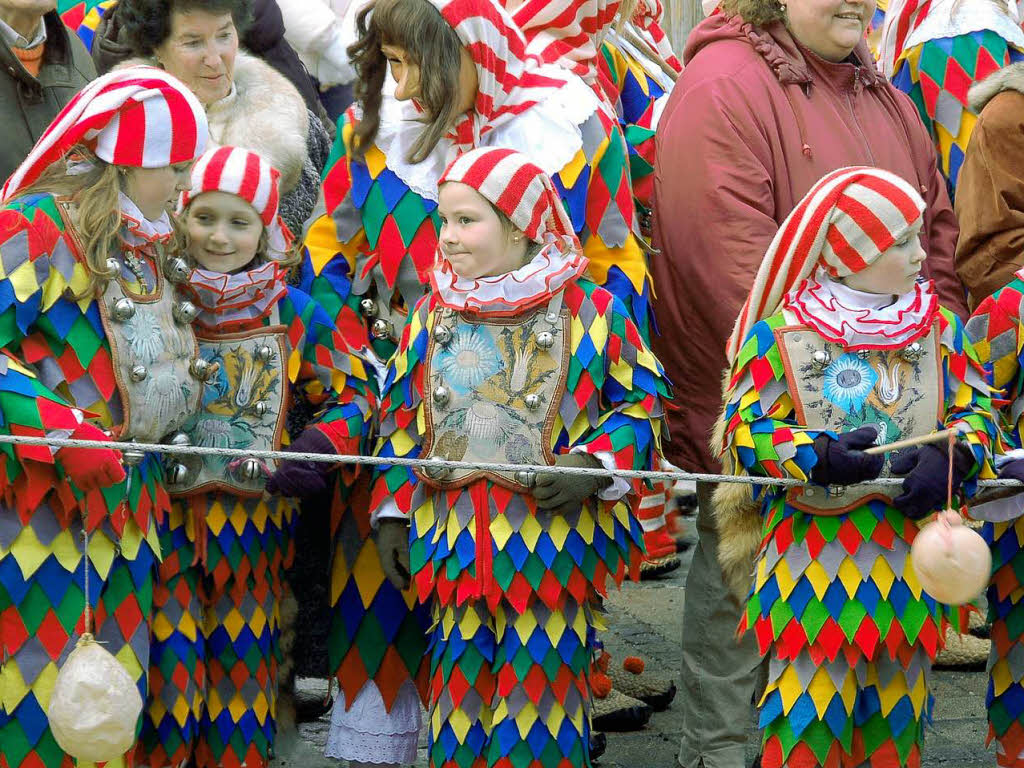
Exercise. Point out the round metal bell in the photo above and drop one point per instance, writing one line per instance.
(185, 312)
(123, 309)
(545, 339)
(177, 474)
(250, 470)
(264, 353)
(532, 402)
(381, 329)
(260, 408)
(912, 352)
(113, 266)
(177, 270)
(441, 396)
(443, 335)
(139, 373)
(179, 440)
(199, 368)
(821, 360)
(526, 477)
(368, 307)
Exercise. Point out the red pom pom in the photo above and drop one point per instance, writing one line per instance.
(600, 685)
(603, 661)
(633, 664)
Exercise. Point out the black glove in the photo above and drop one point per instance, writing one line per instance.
(1012, 470)
(393, 550)
(927, 473)
(843, 461)
(303, 478)
(565, 493)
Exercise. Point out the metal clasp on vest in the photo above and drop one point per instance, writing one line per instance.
(912, 352)
(131, 458)
(184, 312)
(123, 309)
(821, 360)
(526, 477)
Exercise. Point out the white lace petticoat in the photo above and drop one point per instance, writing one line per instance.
(370, 734)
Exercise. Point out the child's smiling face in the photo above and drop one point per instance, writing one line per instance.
(473, 238)
(224, 231)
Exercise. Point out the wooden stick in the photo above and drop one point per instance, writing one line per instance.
(934, 437)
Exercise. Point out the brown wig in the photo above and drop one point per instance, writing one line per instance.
(758, 13)
(418, 28)
(98, 209)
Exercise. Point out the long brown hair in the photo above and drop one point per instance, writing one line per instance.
(419, 29)
(98, 210)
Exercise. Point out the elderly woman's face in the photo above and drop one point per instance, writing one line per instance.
(830, 28)
(200, 51)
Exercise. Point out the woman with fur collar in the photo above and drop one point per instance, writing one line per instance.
(248, 103)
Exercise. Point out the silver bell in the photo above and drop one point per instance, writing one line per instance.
(443, 335)
(912, 352)
(185, 312)
(821, 360)
(177, 270)
(250, 470)
(532, 402)
(177, 474)
(545, 340)
(179, 440)
(113, 266)
(441, 396)
(200, 369)
(123, 309)
(264, 353)
(138, 373)
(526, 477)
(260, 408)
(381, 329)
(368, 307)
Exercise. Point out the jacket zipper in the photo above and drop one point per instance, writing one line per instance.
(853, 114)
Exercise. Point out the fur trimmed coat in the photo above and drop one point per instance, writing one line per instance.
(990, 190)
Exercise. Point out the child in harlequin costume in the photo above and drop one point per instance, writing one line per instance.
(825, 361)
(216, 625)
(85, 241)
(515, 357)
(935, 51)
(996, 330)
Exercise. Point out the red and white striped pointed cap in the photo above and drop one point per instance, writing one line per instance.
(140, 117)
(244, 173)
(516, 187)
(844, 223)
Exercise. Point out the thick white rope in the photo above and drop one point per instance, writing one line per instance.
(333, 458)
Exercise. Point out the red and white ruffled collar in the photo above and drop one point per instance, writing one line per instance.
(138, 231)
(533, 284)
(229, 300)
(859, 320)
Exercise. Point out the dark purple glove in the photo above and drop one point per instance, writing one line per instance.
(303, 478)
(843, 461)
(1013, 470)
(927, 473)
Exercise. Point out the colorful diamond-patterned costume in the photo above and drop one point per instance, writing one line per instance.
(216, 625)
(40, 547)
(514, 589)
(996, 329)
(83, 16)
(944, 55)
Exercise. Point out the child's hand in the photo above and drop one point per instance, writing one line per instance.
(393, 551)
(927, 473)
(91, 468)
(303, 478)
(565, 493)
(843, 461)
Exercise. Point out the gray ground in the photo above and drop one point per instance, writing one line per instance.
(646, 619)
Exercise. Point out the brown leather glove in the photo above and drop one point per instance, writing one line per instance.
(564, 493)
(393, 551)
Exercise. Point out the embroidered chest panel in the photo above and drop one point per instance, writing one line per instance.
(244, 406)
(493, 391)
(896, 391)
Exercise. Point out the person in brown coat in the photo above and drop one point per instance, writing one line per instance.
(771, 98)
(990, 196)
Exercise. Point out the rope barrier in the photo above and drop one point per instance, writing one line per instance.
(337, 458)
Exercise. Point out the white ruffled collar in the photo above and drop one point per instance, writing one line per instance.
(558, 262)
(138, 230)
(859, 320)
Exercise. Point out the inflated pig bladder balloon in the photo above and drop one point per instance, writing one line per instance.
(951, 561)
(95, 705)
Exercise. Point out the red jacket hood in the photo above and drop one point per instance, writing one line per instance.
(785, 57)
